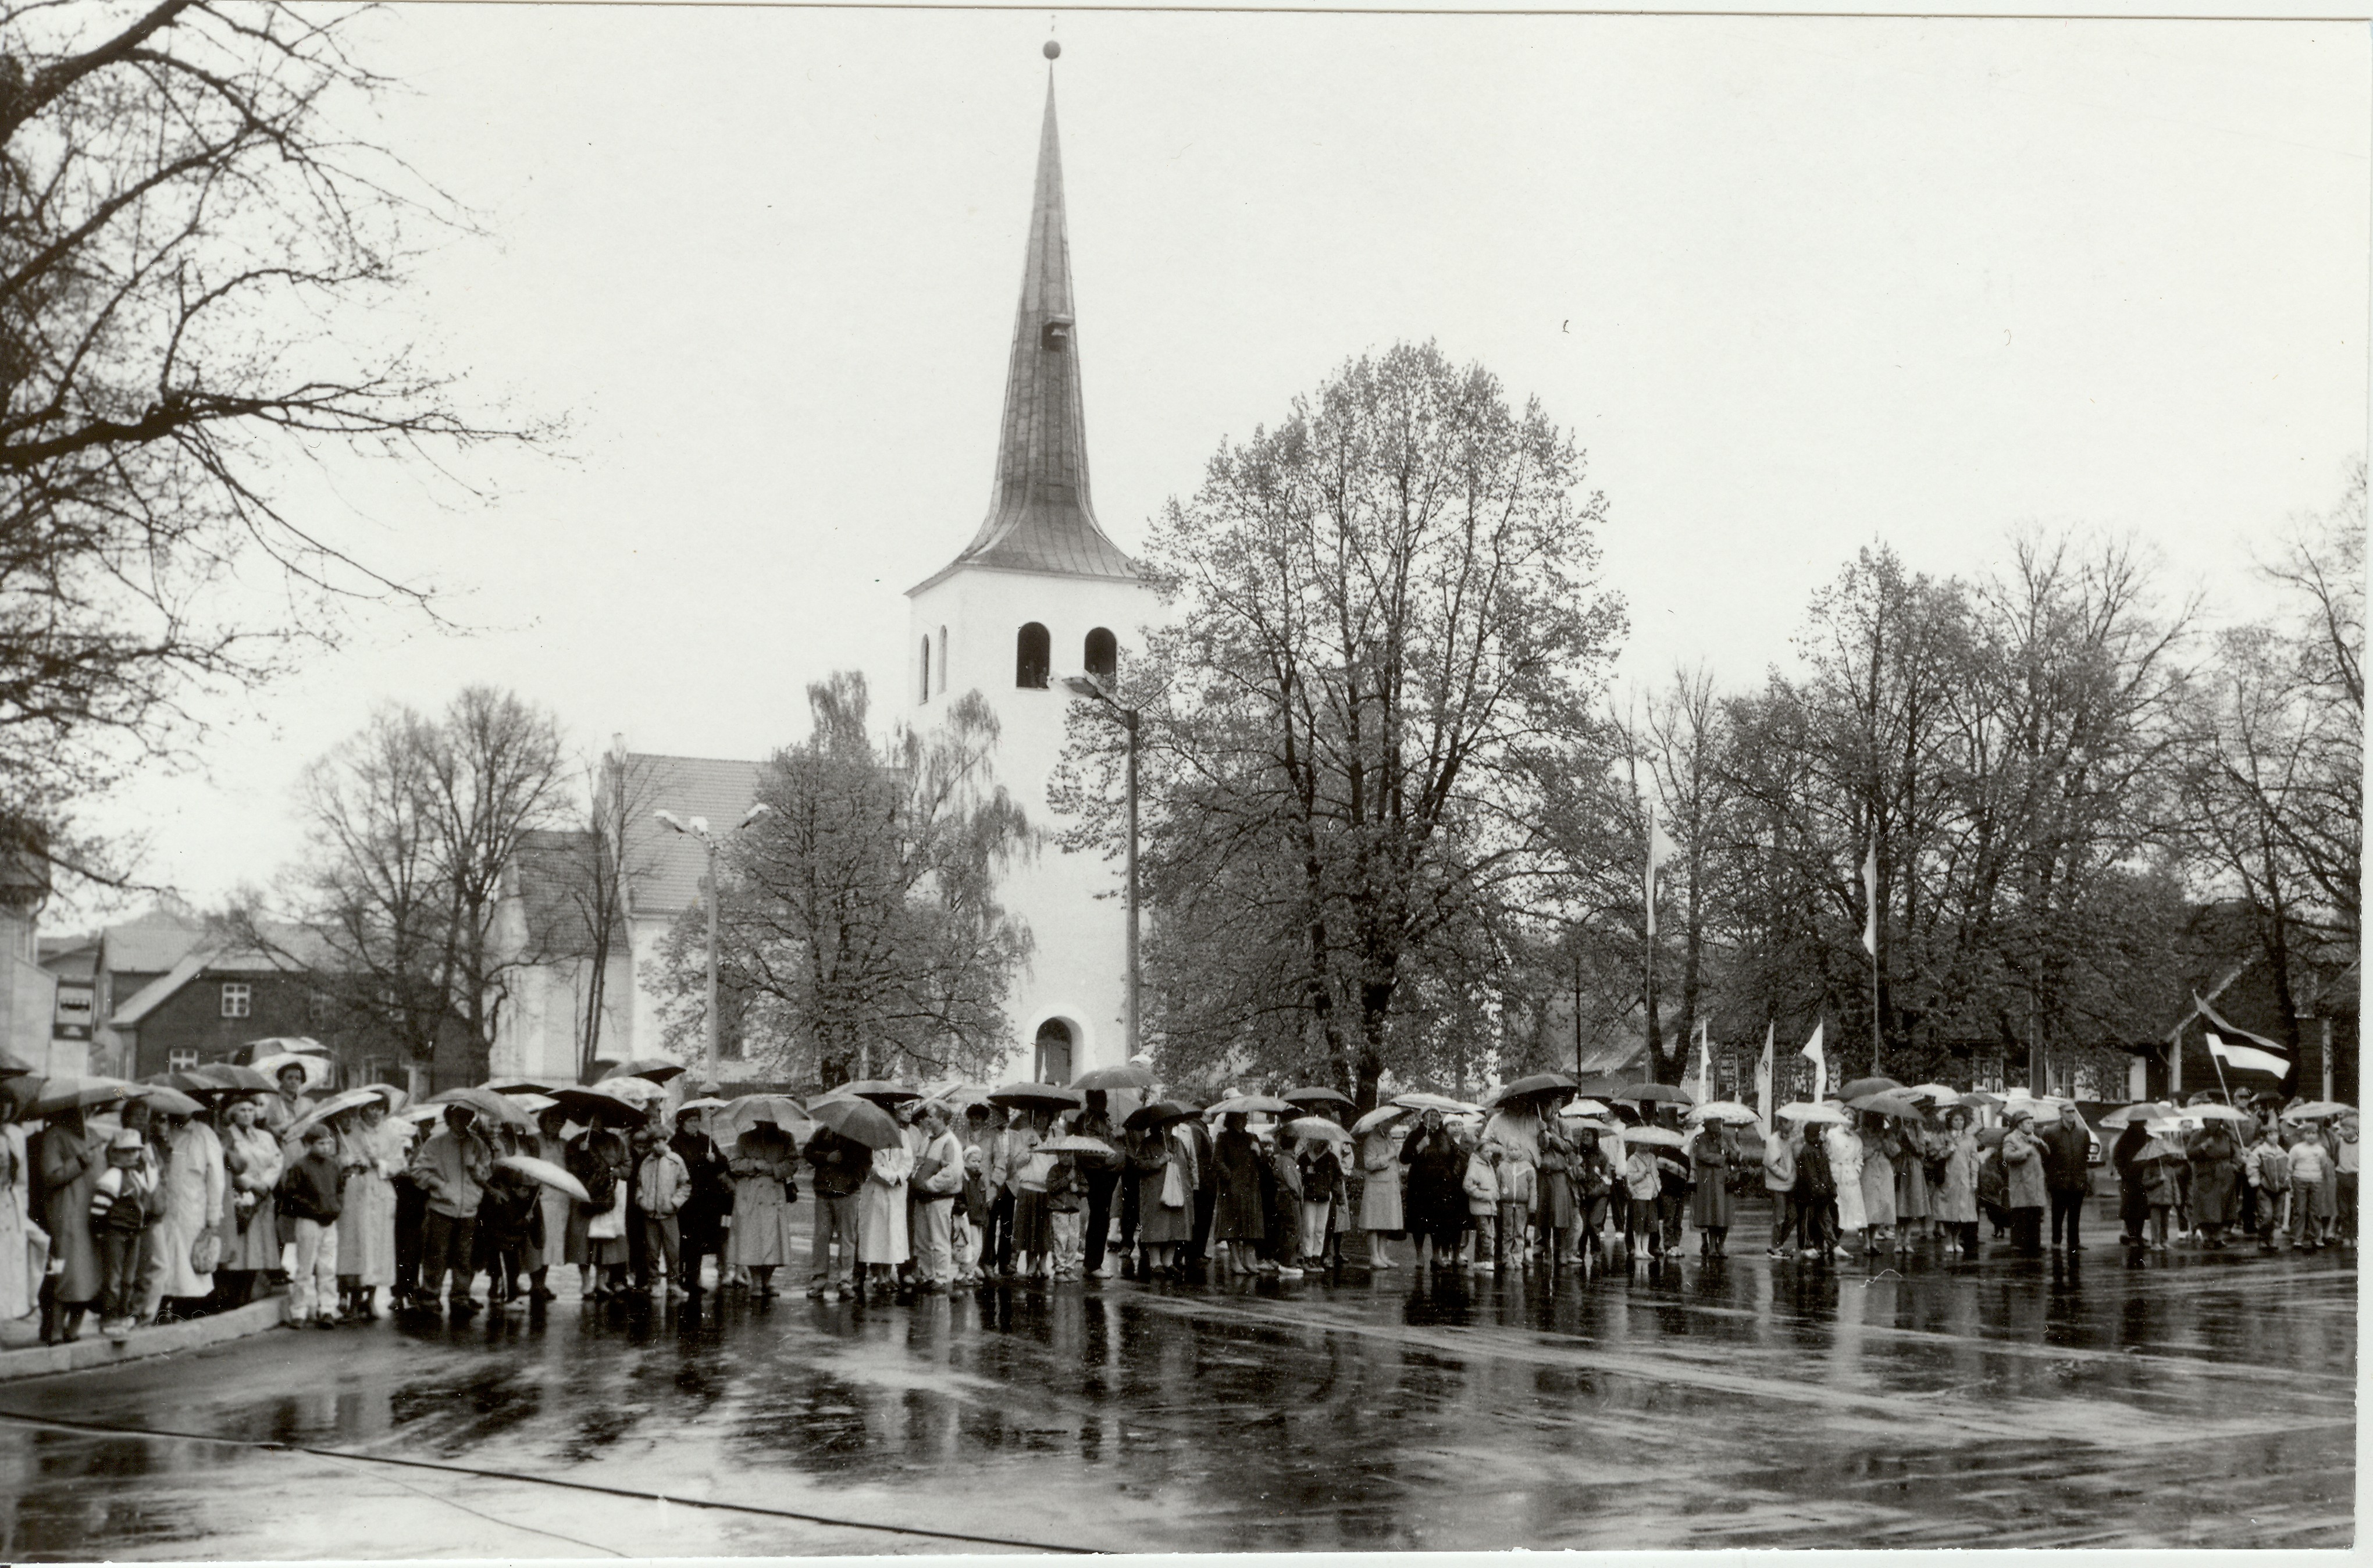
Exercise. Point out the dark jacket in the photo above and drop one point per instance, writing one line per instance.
(840, 1164)
(311, 1189)
(712, 1183)
(2064, 1152)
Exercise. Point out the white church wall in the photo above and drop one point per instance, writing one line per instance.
(1073, 902)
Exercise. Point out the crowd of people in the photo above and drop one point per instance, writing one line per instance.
(359, 1205)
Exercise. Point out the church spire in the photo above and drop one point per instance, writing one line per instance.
(1040, 516)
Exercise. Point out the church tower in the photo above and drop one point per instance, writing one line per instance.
(1041, 594)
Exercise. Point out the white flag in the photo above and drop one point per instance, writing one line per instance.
(2247, 1058)
(1870, 900)
(1821, 1061)
(1763, 1079)
(1660, 850)
(1706, 1063)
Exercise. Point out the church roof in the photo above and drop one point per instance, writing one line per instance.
(1040, 516)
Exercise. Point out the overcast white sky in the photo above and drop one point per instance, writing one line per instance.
(1798, 284)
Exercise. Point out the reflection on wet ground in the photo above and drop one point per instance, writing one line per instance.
(2191, 1401)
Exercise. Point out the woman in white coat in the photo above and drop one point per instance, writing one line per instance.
(1845, 1147)
(882, 1242)
(195, 1182)
(252, 1161)
(372, 1153)
(1379, 1194)
(16, 1273)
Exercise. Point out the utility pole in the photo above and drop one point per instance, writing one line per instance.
(697, 827)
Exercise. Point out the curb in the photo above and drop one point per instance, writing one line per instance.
(94, 1350)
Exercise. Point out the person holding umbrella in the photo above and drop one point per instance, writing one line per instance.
(1844, 1145)
(837, 1167)
(700, 1225)
(251, 1160)
(1955, 1196)
(596, 1238)
(1102, 1173)
(1381, 1208)
(1437, 1202)
(1779, 1146)
(2216, 1165)
(1709, 1161)
(764, 1170)
(1238, 1227)
(2023, 1164)
(1815, 1197)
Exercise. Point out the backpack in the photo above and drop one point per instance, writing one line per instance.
(1813, 1174)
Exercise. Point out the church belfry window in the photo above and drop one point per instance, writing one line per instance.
(927, 670)
(1033, 654)
(1101, 655)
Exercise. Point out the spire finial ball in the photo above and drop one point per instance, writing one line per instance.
(1052, 48)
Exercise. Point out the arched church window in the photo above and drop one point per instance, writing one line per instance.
(927, 670)
(1102, 656)
(943, 659)
(1033, 655)
(1053, 1052)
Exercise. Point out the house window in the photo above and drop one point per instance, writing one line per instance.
(927, 670)
(1103, 654)
(180, 1059)
(238, 999)
(1033, 652)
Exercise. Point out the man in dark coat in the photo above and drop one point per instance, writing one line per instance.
(840, 1165)
(700, 1223)
(2067, 1148)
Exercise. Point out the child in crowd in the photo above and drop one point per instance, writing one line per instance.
(971, 1215)
(662, 1182)
(2268, 1167)
(2161, 1164)
(313, 1193)
(124, 1203)
(1517, 1186)
(1481, 1183)
(1064, 1220)
(2310, 1161)
(1644, 1180)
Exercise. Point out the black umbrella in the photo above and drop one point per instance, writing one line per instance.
(881, 1090)
(1161, 1113)
(1534, 1083)
(860, 1122)
(1861, 1086)
(1036, 1098)
(1315, 1096)
(591, 1104)
(1662, 1093)
(656, 1069)
(13, 1066)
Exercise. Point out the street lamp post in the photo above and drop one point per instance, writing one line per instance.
(1089, 686)
(697, 827)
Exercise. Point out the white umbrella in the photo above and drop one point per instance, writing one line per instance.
(1584, 1108)
(2215, 1113)
(317, 1069)
(1722, 1110)
(1665, 1136)
(1382, 1116)
(638, 1092)
(1804, 1110)
(1421, 1102)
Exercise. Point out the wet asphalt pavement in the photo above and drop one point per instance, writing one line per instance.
(2201, 1400)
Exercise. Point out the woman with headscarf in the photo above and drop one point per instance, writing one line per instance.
(1514, 1128)
(765, 1184)
(252, 1161)
(1436, 1207)
(1844, 1145)
(1381, 1209)
(72, 1160)
(1919, 1150)
(195, 1183)
(2024, 1194)
(1239, 1225)
(370, 1150)
(1558, 1209)
(1161, 1167)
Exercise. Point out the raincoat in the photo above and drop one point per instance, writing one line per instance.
(762, 1170)
(1380, 1198)
(882, 1207)
(2022, 1157)
(16, 1214)
(1164, 1159)
(1877, 1179)
(1238, 1217)
(2215, 1176)
(367, 1223)
(1957, 1195)
(1709, 1167)
(70, 1165)
(195, 1184)
(1844, 1149)
(251, 1160)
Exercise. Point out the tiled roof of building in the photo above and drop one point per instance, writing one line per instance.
(667, 866)
(1040, 516)
(153, 942)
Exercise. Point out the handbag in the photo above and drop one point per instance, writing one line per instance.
(205, 1252)
(1173, 1186)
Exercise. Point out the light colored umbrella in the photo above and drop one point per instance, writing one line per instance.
(487, 1105)
(1317, 1127)
(1665, 1136)
(1036, 1098)
(1887, 1102)
(1859, 1087)
(747, 1111)
(1442, 1103)
(1804, 1110)
(2146, 1112)
(1316, 1095)
(1585, 1107)
(1075, 1143)
(707, 1103)
(1382, 1116)
(1249, 1105)
(1127, 1075)
(1935, 1093)
(547, 1173)
(172, 1102)
(1977, 1097)
(336, 1104)
(1722, 1110)
(2318, 1110)
(317, 1069)
(396, 1098)
(2215, 1113)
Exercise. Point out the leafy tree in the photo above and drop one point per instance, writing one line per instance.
(860, 932)
(1387, 644)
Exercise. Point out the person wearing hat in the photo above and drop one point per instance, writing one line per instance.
(124, 1202)
(452, 1169)
(700, 1225)
(2023, 1165)
(312, 1194)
